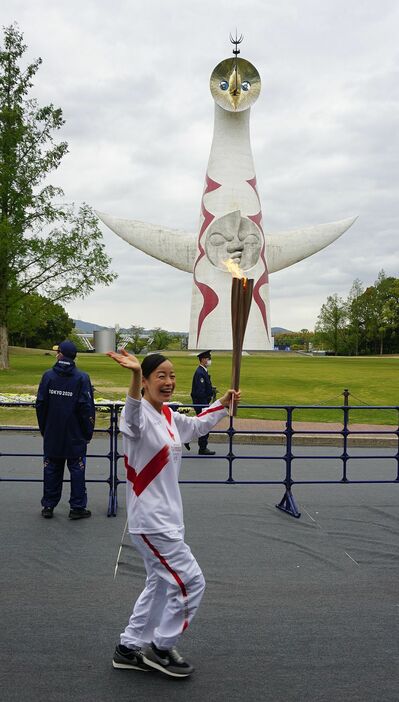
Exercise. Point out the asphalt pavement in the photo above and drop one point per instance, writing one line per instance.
(296, 610)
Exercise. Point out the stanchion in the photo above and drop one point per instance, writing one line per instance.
(287, 504)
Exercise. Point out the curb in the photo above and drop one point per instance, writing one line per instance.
(310, 440)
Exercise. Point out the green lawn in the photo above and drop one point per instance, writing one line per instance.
(275, 379)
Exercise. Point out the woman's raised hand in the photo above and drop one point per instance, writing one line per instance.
(126, 360)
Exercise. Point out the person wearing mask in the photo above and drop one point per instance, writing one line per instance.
(66, 415)
(201, 394)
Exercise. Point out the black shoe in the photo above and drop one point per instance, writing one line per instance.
(129, 658)
(47, 512)
(79, 513)
(168, 661)
(206, 452)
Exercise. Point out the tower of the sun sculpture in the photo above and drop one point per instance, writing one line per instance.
(230, 223)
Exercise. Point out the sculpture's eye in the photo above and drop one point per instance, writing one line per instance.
(217, 239)
(246, 85)
(223, 85)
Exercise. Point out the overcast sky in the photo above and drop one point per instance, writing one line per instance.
(132, 79)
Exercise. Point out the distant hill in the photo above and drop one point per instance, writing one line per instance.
(280, 330)
(87, 327)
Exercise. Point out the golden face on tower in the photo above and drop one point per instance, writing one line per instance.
(235, 84)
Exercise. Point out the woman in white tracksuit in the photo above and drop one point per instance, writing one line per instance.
(152, 438)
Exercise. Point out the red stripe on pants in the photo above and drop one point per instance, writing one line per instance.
(175, 575)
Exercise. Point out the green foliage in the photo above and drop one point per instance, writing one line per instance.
(138, 342)
(301, 340)
(38, 322)
(79, 343)
(366, 323)
(45, 247)
(160, 339)
(331, 322)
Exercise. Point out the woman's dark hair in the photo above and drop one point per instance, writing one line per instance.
(151, 362)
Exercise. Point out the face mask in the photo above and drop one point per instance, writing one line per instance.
(208, 363)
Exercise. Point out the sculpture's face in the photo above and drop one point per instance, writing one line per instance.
(235, 84)
(235, 237)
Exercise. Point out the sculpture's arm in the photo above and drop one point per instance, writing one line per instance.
(171, 246)
(283, 249)
(179, 249)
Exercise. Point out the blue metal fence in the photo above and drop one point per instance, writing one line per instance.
(288, 434)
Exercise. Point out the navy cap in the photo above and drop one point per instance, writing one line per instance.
(204, 354)
(66, 348)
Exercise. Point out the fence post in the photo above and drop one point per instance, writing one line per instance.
(345, 433)
(111, 479)
(346, 394)
(115, 456)
(397, 451)
(288, 504)
(230, 455)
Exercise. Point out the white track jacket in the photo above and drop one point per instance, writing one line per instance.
(152, 444)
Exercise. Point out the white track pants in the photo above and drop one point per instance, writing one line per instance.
(172, 593)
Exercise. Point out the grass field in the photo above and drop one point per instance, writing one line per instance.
(272, 379)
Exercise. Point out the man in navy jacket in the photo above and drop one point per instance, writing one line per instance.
(201, 394)
(65, 413)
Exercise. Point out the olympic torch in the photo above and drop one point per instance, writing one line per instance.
(241, 298)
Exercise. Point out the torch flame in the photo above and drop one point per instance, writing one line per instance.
(234, 269)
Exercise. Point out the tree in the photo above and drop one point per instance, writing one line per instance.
(45, 247)
(367, 322)
(354, 316)
(37, 322)
(374, 310)
(160, 339)
(386, 309)
(137, 341)
(390, 315)
(294, 340)
(330, 323)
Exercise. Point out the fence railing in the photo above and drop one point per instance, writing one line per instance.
(287, 434)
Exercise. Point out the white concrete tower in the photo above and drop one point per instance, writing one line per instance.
(230, 223)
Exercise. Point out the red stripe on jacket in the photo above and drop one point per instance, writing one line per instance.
(209, 410)
(167, 412)
(174, 574)
(130, 472)
(150, 471)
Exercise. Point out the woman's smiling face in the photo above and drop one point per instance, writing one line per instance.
(160, 385)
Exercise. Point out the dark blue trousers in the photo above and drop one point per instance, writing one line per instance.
(54, 475)
(202, 440)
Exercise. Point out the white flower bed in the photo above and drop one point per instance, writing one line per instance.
(25, 397)
(100, 402)
(16, 397)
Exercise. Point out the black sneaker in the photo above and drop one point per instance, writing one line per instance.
(79, 513)
(129, 658)
(206, 452)
(168, 661)
(47, 512)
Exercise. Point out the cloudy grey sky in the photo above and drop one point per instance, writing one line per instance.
(132, 79)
